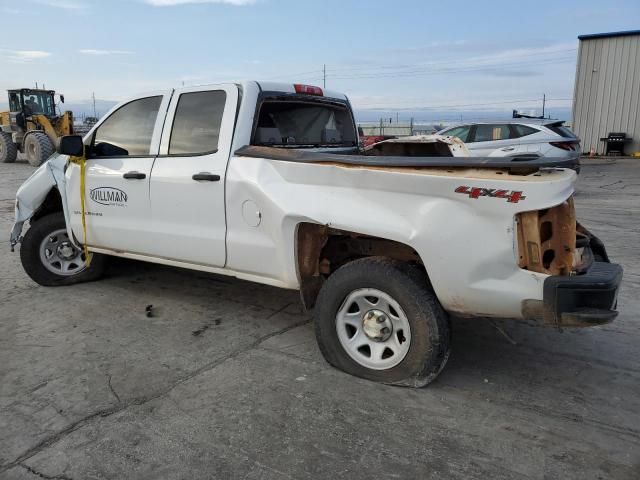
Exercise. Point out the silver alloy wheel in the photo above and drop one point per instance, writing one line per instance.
(59, 256)
(373, 329)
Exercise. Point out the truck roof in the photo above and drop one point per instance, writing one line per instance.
(289, 87)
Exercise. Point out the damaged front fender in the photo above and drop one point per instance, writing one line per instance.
(33, 192)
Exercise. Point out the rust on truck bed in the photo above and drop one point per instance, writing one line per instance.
(301, 155)
(320, 250)
(547, 240)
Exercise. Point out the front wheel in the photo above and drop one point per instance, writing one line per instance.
(376, 318)
(49, 257)
(8, 150)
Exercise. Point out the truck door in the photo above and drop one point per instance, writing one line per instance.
(188, 177)
(122, 149)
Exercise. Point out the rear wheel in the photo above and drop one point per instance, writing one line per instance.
(38, 148)
(49, 257)
(8, 150)
(377, 319)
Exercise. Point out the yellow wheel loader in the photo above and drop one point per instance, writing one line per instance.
(31, 125)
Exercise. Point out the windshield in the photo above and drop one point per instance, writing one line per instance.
(304, 124)
(38, 103)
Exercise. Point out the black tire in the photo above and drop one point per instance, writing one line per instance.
(409, 287)
(38, 148)
(8, 150)
(33, 264)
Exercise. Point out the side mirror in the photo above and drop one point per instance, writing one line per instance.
(62, 98)
(70, 145)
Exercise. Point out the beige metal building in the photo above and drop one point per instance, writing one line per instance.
(606, 96)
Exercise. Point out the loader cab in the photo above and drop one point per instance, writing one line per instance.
(30, 102)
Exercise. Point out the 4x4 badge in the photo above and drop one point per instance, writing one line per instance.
(512, 196)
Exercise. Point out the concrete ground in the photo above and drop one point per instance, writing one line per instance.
(226, 381)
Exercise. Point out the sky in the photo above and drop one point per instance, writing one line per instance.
(420, 59)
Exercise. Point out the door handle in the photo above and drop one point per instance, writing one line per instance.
(507, 149)
(209, 177)
(134, 175)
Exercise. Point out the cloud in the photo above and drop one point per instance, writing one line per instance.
(90, 51)
(63, 4)
(23, 56)
(173, 3)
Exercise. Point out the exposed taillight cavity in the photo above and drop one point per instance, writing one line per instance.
(569, 146)
(308, 89)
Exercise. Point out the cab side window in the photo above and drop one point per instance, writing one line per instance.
(128, 131)
(196, 125)
(14, 102)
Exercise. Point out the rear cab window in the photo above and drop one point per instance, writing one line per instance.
(303, 121)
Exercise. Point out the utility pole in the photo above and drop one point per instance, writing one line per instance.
(324, 76)
(544, 101)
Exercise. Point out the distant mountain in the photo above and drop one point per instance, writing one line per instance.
(424, 116)
(80, 109)
(450, 116)
(85, 108)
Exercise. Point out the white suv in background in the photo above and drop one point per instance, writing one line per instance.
(522, 138)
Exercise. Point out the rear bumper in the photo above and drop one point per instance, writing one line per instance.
(582, 300)
(585, 299)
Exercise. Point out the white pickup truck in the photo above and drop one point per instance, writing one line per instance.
(266, 182)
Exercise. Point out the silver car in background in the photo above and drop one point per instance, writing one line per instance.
(520, 138)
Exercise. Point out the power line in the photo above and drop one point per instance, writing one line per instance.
(432, 107)
(300, 74)
(449, 70)
(456, 61)
(399, 70)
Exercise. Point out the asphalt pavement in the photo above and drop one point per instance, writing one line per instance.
(225, 380)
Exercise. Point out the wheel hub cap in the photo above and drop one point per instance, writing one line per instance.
(59, 256)
(373, 329)
(66, 251)
(377, 325)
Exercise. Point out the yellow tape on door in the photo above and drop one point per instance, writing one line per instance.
(81, 161)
